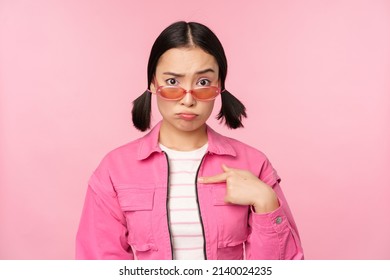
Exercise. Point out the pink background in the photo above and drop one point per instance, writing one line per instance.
(314, 76)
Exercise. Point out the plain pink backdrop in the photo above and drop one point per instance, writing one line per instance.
(314, 76)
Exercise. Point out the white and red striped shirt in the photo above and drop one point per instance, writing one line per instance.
(183, 210)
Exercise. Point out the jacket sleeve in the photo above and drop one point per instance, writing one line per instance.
(102, 232)
(273, 235)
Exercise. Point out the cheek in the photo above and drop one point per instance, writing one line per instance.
(165, 107)
(208, 107)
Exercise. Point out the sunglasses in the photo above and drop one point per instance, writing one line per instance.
(176, 93)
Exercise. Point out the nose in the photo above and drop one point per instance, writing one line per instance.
(188, 100)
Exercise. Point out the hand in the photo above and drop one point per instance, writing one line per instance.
(244, 188)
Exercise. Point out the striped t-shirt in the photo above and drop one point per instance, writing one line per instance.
(183, 210)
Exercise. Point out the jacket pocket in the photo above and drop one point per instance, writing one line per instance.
(137, 206)
(232, 219)
(136, 199)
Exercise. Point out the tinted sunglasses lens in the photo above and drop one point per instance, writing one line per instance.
(171, 93)
(206, 93)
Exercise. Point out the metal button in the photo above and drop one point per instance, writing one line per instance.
(278, 220)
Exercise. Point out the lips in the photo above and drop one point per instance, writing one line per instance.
(187, 116)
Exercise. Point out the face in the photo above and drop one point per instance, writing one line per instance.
(187, 68)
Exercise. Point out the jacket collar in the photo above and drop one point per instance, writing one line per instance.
(217, 144)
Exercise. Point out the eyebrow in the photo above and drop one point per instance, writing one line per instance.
(182, 75)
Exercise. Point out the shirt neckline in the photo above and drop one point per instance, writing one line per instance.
(202, 149)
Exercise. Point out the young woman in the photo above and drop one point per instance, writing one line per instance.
(184, 191)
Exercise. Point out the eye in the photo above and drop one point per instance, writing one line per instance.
(204, 82)
(171, 82)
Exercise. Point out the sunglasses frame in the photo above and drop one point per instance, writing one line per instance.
(158, 92)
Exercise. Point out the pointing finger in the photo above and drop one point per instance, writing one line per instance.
(213, 179)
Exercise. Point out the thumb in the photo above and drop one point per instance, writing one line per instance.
(225, 168)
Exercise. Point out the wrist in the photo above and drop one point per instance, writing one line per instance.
(266, 205)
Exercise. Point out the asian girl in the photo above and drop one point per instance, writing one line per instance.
(183, 191)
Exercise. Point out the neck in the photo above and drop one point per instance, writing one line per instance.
(182, 140)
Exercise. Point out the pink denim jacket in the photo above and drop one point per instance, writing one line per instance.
(125, 210)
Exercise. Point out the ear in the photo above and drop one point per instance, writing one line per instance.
(152, 87)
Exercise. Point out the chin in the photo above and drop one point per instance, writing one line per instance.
(189, 126)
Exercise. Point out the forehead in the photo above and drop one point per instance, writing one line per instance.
(186, 61)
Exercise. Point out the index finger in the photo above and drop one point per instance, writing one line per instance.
(219, 178)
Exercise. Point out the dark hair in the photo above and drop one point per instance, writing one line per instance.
(178, 35)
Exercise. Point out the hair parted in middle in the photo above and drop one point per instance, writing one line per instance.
(185, 35)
